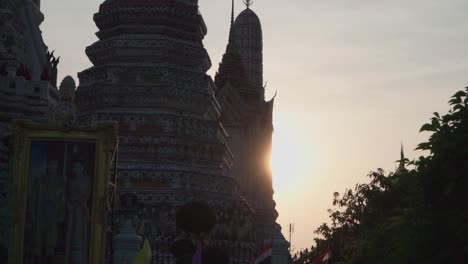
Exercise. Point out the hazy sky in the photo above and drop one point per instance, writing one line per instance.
(354, 79)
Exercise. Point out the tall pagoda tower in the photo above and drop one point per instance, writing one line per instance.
(248, 119)
(149, 75)
(27, 83)
(27, 88)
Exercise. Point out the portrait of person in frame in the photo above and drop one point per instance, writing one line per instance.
(60, 193)
(59, 199)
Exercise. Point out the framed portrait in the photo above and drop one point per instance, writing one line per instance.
(60, 187)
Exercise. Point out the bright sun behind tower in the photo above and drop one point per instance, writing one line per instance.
(289, 159)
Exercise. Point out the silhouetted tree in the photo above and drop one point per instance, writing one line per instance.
(444, 178)
(410, 216)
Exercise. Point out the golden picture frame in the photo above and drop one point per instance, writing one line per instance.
(74, 157)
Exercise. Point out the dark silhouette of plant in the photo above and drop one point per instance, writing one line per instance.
(410, 216)
(444, 178)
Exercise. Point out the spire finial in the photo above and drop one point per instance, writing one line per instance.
(232, 14)
(248, 3)
(231, 33)
(402, 160)
(402, 154)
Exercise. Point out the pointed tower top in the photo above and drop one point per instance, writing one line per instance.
(249, 39)
(248, 3)
(231, 29)
(231, 68)
(401, 167)
(232, 14)
(402, 154)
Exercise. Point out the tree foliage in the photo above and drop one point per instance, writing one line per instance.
(410, 216)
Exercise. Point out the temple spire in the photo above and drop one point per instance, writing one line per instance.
(401, 167)
(248, 3)
(232, 14)
(231, 29)
(402, 153)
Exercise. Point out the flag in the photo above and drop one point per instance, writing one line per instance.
(144, 256)
(196, 259)
(265, 256)
(325, 258)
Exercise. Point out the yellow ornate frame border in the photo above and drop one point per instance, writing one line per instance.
(105, 136)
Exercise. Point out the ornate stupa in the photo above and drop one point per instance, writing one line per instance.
(149, 75)
(27, 75)
(183, 136)
(27, 86)
(248, 119)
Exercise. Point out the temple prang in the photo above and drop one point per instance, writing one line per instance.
(248, 119)
(183, 136)
(23, 93)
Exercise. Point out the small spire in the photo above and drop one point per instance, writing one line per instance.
(248, 3)
(232, 14)
(401, 167)
(402, 154)
(231, 29)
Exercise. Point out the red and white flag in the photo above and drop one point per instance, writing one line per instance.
(325, 258)
(265, 256)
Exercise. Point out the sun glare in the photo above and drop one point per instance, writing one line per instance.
(290, 159)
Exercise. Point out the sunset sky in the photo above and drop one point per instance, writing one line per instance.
(354, 79)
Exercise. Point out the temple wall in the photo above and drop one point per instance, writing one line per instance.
(22, 94)
(5, 183)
